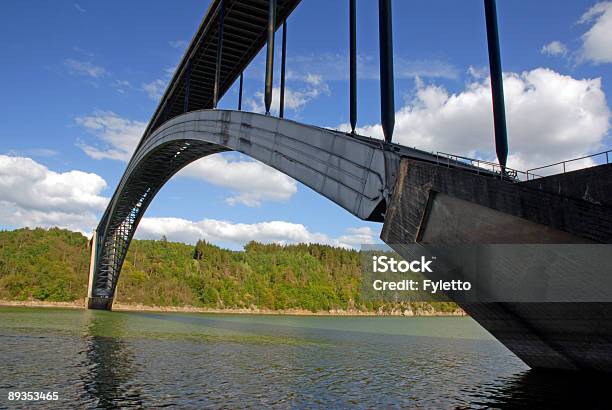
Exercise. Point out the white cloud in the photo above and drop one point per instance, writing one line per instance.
(169, 71)
(404, 68)
(251, 181)
(84, 68)
(356, 236)
(182, 230)
(178, 44)
(554, 48)
(597, 41)
(119, 135)
(551, 117)
(34, 152)
(79, 8)
(121, 85)
(294, 99)
(155, 89)
(32, 195)
(477, 73)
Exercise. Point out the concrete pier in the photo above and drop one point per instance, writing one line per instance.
(95, 302)
(436, 205)
(99, 303)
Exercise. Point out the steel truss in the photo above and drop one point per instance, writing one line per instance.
(141, 186)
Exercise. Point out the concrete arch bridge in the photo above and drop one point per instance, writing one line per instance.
(420, 197)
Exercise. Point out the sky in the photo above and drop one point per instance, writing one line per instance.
(80, 81)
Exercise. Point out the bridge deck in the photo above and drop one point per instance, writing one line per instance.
(244, 35)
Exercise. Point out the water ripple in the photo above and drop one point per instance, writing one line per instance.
(103, 360)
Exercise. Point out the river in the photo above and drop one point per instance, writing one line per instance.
(194, 360)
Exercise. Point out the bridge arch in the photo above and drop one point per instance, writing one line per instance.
(354, 172)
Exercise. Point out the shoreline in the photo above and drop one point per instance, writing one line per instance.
(122, 307)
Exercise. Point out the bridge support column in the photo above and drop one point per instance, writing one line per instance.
(219, 54)
(281, 108)
(95, 302)
(497, 84)
(270, 55)
(387, 88)
(240, 92)
(353, 63)
(92, 262)
(99, 303)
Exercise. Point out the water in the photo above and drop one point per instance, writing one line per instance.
(105, 359)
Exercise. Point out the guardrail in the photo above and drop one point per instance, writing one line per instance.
(608, 155)
(508, 174)
(479, 166)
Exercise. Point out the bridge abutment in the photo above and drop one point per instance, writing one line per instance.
(91, 301)
(99, 303)
(441, 206)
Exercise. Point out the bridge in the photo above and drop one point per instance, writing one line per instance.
(407, 189)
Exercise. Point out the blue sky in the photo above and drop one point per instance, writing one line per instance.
(81, 80)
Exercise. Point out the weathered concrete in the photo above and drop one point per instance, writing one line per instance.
(93, 245)
(592, 184)
(356, 173)
(435, 205)
(419, 182)
(351, 172)
(100, 303)
(450, 218)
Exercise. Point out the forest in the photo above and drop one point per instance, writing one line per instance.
(52, 265)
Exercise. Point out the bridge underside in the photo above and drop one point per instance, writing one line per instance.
(117, 228)
(244, 35)
(354, 172)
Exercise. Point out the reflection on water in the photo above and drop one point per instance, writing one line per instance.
(544, 389)
(102, 359)
(109, 362)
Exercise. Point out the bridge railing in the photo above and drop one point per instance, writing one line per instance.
(513, 175)
(481, 166)
(564, 165)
